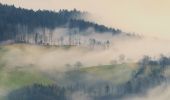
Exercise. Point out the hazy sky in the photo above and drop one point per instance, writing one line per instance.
(149, 17)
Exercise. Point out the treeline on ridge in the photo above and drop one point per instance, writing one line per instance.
(12, 18)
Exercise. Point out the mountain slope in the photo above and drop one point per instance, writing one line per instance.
(13, 19)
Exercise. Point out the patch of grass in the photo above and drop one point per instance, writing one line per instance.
(13, 79)
(17, 77)
(2, 51)
(117, 74)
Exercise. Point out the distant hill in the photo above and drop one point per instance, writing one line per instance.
(13, 19)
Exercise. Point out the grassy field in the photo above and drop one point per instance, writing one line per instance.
(14, 77)
(116, 74)
(20, 76)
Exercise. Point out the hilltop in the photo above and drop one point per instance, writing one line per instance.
(18, 23)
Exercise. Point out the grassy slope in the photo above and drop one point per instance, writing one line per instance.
(116, 74)
(24, 76)
(17, 77)
(14, 78)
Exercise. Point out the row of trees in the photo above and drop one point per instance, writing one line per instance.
(38, 92)
(44, 36)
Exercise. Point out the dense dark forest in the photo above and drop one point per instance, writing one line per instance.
(14, 21)
(141, 81)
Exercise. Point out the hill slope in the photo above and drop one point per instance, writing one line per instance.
(14, 20)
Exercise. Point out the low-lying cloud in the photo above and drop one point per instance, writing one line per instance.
(158, 93)
(52, 57)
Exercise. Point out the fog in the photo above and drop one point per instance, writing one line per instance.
(59, 57)
(49, 57)
(80, 96)
(158, 93)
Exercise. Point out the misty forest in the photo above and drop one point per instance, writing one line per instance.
(64, 55)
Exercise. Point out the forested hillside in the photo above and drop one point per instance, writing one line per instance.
(14, 21)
